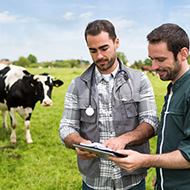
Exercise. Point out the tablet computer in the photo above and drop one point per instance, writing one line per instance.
(99, 149)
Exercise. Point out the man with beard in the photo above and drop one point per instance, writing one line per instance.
(169, 48)
(110, 104)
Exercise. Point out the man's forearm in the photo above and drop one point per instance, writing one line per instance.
(73, 138)
(172, 160)
(139, 135)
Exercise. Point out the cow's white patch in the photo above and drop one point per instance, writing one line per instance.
(14, 75)
(23, 112)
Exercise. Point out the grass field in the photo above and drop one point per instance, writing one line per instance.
(46, 164)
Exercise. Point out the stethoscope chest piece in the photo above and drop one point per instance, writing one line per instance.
(89, 111)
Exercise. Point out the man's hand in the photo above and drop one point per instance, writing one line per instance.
(85, 155)
(132, 162)
(115, 143)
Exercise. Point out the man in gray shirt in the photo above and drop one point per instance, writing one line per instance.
(110, 104)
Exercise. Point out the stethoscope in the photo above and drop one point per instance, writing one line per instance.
(90, 111)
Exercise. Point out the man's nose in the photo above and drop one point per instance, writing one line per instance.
(99, 55)
(154, 65)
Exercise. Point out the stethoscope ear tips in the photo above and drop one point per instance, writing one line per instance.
(89, 111)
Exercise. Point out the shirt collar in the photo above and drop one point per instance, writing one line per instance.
(99, 77)
(179, 82)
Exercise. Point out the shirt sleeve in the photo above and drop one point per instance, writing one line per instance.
(71, 114)
(147, 106)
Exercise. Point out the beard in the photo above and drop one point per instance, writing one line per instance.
(107, 65)
(171, 72)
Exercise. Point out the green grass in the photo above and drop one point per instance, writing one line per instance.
(46, 164)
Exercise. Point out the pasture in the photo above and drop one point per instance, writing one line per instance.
(46, 164)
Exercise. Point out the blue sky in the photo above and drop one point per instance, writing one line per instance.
(54, 29)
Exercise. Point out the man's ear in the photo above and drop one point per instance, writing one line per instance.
(183, 53)
(117, 43)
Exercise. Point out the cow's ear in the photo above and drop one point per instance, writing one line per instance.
(26, 72)
(57, 83)
(35, 77)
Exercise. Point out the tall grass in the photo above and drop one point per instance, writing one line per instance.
(46, 164)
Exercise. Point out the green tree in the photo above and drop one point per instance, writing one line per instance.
(73, 63)
(32, 58)
(122, 56)
(137, 65)
(148, 62)
(24, 62)
(66, 64)
(4, 59)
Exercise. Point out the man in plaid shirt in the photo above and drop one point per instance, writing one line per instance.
(124, 117)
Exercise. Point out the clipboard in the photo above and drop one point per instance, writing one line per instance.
(99, 149)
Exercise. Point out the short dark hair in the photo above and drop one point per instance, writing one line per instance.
(175, 37)
(96, 27)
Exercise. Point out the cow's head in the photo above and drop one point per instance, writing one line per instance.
(43, 85)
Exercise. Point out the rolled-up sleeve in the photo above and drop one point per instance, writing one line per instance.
(71, 114)
(147, 106)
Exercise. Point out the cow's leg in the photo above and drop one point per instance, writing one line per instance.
(26, 113)
(13, 125)
(28, 136)
(4, 115)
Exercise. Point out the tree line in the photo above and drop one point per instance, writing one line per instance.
(31, 61)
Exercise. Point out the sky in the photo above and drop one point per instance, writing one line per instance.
(54, 29)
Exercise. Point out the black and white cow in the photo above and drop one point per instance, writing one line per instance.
(20, 91)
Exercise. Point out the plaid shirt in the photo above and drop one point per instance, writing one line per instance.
(110, 174)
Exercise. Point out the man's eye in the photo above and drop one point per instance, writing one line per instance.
(161, 59)
(104, 49)
(93, 51)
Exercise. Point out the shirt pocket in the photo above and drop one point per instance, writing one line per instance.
(131, 107)
(83, 105)
(174, 125)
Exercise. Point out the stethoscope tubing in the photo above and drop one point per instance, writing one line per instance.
(89, 110)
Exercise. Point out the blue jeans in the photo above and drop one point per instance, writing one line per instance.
(140, 186)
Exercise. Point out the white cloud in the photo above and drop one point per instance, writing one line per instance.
(6, 18)
(89, 7)
(28, 19)
(69, 16)
(183, 6)
(86, 15)
(121, 24)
